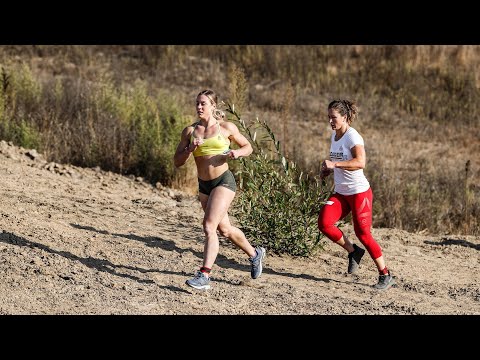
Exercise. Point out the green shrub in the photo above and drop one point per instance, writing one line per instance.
(21, 134)
(278, 204)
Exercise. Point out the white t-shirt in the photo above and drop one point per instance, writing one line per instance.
(347, 182)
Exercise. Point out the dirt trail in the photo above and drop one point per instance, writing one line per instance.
(85, 241)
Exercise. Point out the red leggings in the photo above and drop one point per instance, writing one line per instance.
(339, 206)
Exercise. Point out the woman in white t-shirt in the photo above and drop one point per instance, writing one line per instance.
(352, 192)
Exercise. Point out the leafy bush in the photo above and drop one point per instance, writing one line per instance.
(278, 204)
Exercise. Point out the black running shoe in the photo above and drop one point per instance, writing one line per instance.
(354, 259)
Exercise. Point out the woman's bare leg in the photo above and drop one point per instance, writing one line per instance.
(345, 243)
(380, 262)
(216, 207)
(236, 236)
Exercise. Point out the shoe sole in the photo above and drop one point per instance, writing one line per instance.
(261, 266)
(203, 287)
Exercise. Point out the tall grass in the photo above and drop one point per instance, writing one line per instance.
(125, 130)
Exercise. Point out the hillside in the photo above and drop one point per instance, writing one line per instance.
(84, 241)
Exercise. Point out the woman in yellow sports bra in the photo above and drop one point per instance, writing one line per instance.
(208, 140)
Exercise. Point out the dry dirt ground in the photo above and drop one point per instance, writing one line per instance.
(84, 241)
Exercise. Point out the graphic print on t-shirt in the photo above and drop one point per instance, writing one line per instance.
(337, 155)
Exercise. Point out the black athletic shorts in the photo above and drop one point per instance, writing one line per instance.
(226, 179)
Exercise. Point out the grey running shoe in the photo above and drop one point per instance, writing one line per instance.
(257, 262)
(384, 282)
(199, 281)
(354, 259)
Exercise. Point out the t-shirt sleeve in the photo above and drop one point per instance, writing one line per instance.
(355, 139)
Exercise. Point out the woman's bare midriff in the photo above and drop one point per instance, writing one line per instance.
(210, 167)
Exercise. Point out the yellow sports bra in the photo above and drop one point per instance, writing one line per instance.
(214, 145)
